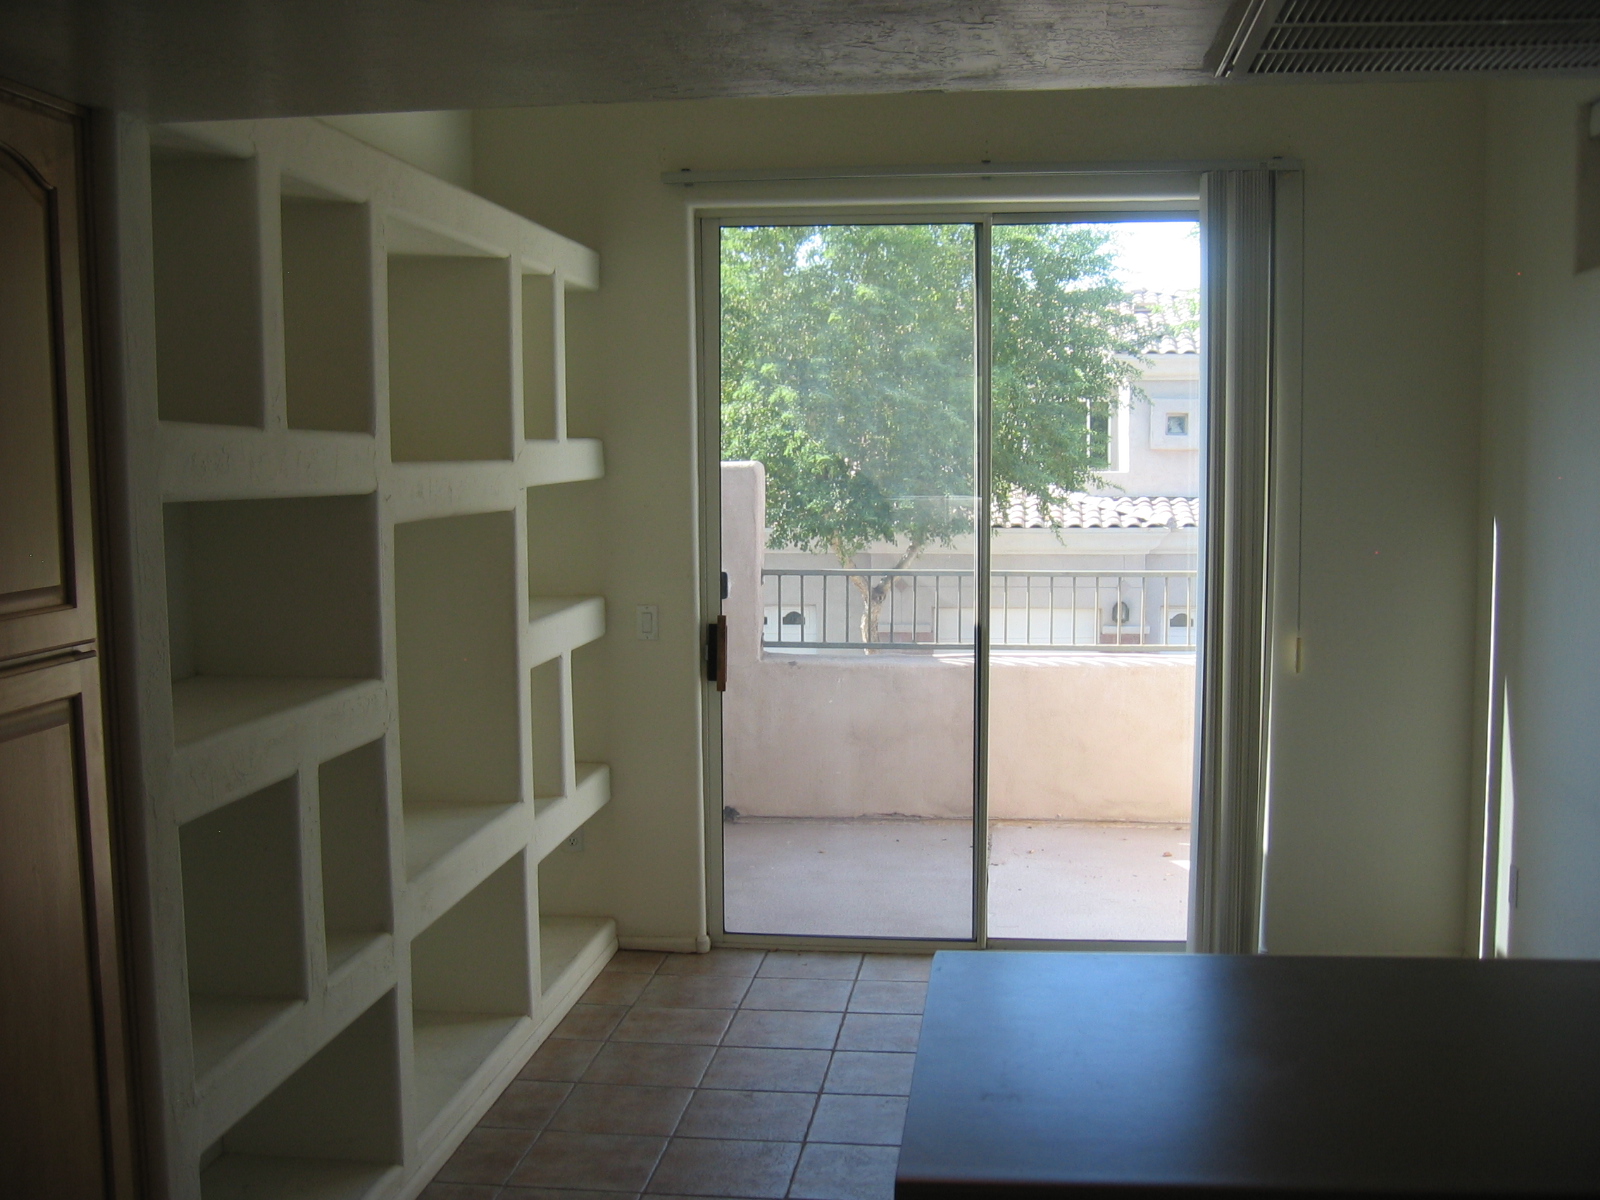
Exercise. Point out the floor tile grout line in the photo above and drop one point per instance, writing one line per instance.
(605, 1041)
(694, 1089)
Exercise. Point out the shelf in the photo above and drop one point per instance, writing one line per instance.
(215, 462)
(364, 384)
(257, 1177)
(567, 536)
(559, 818)
(354, 836)
(432, 491)
(450, 1047)
(270, 604)
(332, 1129)
(269, 733)
(569, 461)
(433, 833)
(244, 935)
(556, 626)
(327, 311)
(450, 347)
(203, 706)
(456, 653)
(469, 986)
(568, 947)
(345, 948)
(205, 223)
(219, 1027)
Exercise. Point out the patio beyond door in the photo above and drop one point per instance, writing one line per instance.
(959, 492)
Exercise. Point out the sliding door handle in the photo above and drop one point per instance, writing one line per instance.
(717, 653)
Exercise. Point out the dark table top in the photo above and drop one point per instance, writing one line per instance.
(1121, 1073)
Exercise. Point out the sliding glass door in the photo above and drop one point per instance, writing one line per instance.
(959, 494)
(848, 415)
(1098, 441)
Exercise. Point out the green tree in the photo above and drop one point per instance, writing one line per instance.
(847, 370)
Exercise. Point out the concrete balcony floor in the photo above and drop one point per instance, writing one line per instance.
(1074, 880)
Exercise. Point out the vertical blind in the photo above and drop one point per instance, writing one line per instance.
(1236, 216)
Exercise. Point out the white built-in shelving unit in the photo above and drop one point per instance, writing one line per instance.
(357, 699)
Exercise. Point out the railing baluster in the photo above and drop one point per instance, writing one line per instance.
(1144, 603)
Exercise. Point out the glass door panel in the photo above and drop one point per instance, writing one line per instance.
(1098, 439)
(848, 491)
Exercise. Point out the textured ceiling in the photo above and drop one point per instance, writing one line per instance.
(177, 59)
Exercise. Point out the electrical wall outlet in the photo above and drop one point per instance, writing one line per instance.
(647, 622)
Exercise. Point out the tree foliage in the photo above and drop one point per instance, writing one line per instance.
(1066, 347)
(848, 370)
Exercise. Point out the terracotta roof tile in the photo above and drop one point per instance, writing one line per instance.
(1079, 510)
(1154, 307)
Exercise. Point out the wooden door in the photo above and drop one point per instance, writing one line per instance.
(63, 1083)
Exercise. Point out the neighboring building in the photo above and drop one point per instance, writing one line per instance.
(1144, 516)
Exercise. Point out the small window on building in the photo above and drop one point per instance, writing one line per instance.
(1177, 425)
(1179, 621)
(1099, 440)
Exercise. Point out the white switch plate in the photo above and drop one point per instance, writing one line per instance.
(647, 623)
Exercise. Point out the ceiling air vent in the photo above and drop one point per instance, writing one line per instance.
(1410, 37)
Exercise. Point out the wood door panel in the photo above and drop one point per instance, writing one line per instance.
(33, 574)
(64, 1086)
(48, 1051)
(46, 568)
(61, 1050)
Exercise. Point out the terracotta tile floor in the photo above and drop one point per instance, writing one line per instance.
(749, 1074)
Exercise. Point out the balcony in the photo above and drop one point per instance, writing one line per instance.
(848, 754)
(848, 732)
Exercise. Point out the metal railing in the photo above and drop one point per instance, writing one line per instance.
(928, 610)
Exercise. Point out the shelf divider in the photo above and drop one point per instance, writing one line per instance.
(567, 946)
(558, 818)
(557, 625)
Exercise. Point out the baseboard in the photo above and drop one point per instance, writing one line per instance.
(674, 945)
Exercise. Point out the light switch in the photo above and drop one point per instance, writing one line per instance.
(647, 622)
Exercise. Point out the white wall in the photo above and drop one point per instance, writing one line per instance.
(439, 143)
(1542, 453)
(1370, 826)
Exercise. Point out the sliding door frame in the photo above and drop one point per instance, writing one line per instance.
(709, 346)
(708, 217)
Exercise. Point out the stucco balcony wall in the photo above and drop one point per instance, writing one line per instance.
(1073, 736)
